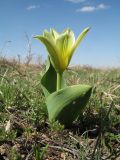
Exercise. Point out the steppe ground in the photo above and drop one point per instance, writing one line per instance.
(25, 132)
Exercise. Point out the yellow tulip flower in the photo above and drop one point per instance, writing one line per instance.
(61, 47)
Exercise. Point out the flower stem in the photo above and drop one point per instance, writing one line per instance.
(59, 81)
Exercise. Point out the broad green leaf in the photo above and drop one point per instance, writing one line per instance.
(49, 79)
(67, 104)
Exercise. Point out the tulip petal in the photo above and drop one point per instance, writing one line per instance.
(71, 42)
(49, 37)
(81, 36)
(61, 46)
(52, 50)
(79, 39)
(64, 43)
(54, 33)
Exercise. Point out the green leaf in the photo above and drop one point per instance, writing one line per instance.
(67, 104)
(49, 79)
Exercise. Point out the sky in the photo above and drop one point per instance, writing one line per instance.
(101, 46)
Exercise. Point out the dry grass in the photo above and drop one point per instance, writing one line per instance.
(25, 132)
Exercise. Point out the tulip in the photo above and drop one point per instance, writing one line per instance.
(60, 48)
